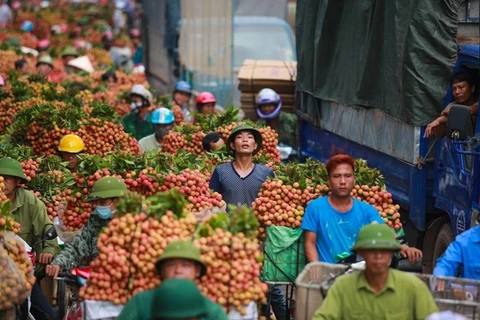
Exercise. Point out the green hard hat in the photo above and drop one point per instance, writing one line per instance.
(11, 167)
(107, 187)
(376, 236)
(182, 250)
(178, 299)
(45, 59)
(244, 127)
(13, 41)
(70, 51)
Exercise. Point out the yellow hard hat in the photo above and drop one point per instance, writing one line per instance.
(71, 143)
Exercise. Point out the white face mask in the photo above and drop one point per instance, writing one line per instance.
(134, 105)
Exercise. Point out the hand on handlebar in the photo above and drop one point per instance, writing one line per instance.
(53, 270)
(45, 258)
(412, 254)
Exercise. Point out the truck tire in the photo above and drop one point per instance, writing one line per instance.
(444, 238)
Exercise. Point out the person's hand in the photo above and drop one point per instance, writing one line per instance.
(52, 270)
(45, 258)
(412, 254)
(431, 126)
(440, 285)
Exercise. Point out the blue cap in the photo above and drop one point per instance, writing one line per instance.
(183, 86)
(162, 116)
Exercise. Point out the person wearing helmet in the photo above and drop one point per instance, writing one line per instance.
(43, 46)
(205, 103)
(162, 120)
(68, 54)
(269, 106)
(180, 260)
(136, 37)
(240, 181)
(45, 66)
(31, 214)
(180, 97)
(137, 122)
(27, 210)
(69, 147)
(105, 195)
(378, 292)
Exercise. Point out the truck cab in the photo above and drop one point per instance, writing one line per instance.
(456, 183)
(436, 182)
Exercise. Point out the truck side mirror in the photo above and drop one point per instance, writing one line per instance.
(459, 125)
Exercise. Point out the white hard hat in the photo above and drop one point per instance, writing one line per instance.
(141, 91)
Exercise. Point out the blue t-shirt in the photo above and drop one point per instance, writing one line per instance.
(236, 190)
(337, 231)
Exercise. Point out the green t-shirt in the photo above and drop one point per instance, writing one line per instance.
(404, 297)
(140, 308)
(137, 127)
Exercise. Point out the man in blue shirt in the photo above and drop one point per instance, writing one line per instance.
(463, 252)
(331, 224)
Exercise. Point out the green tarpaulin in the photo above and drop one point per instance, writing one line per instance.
(284, 254)
(394, 55)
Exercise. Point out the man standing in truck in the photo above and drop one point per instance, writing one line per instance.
(331, 223)
(463, 90)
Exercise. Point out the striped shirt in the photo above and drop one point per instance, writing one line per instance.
(236, 190)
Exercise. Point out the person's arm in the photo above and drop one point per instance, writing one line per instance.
(311, 246)
(310, 228)
(41, 224)
(215, 183)
(78, 249)
(448, 264)
(443, 119)
(331, 307)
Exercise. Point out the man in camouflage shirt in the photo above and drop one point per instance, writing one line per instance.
(269, 105)
(105, 193)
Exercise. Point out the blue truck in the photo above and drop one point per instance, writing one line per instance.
(436, 182)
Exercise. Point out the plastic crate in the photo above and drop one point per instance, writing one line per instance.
(284, 255)
(308, 289)
(458, 295)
